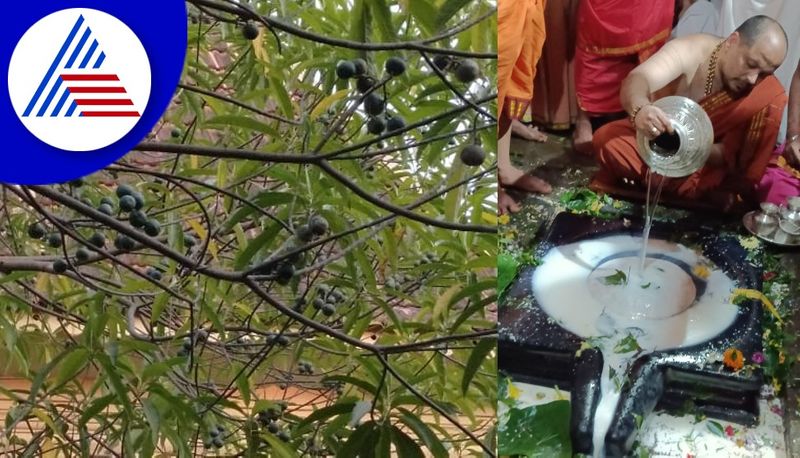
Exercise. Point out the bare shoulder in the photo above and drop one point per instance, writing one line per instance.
(692, 50)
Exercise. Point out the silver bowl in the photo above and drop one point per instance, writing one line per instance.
(687, 151)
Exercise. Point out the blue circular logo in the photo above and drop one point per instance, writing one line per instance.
(86, 82)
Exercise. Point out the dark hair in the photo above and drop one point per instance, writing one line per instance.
(754, 27)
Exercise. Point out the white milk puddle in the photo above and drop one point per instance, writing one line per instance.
(595, 289)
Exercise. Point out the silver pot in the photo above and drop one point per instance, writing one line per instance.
(683, 153)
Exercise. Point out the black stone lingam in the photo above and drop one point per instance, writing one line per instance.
(534, 349)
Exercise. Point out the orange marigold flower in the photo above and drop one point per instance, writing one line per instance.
(733, 359)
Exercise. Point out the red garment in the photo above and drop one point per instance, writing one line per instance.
(747, 126)
(614, 36)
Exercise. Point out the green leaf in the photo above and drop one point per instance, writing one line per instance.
(36, 385)
(157, 369)
(506, 271)
(256, 245)
(279, 448)
(325, 413)
(72, 365)
(262, 200)
(627, 345)
(383, 18)
(540, 431)
(424, 13)
(14, 276)
(279, 89)
(359, 382)
(359, 17)
(422, 431)
(384, 446)
(153, 417)
(111, 374)
(616, 279)
(97, 406)
(716, 428)
(243, 384)
(475, 360)
(358, 442)
(449, 10)
(406, 447)
(243, 122)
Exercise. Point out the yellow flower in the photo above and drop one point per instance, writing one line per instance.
(513, 391)
(776, 385)
(781, 358)
(749, 243)
(701, 271)
(733, 359)
(740, 442)
(504, 219)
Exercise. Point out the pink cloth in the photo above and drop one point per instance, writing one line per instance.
(777, 184)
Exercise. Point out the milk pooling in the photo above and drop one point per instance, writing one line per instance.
(599, 289)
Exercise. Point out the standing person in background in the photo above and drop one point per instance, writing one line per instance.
(554, 105)
(613, 37)
(520, 36)
(696, 16)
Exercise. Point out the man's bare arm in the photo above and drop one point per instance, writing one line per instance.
(662, 68)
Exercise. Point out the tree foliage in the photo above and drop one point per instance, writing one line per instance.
(263, 276)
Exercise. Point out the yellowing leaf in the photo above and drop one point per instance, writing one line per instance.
(757, 295)
(212, 247)
(260, 53)
(513, 391)
(444, 299)
(325, 103)
(198, 228)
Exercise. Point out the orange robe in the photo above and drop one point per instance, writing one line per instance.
(747, 127)
(520, 37)
(614, 36)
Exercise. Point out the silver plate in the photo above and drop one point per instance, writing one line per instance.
(694, 130)
(749, 221)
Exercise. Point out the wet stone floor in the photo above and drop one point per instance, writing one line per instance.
(778, 433)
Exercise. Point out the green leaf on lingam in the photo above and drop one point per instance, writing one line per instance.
(716, 428)
(618, 278)
(627, 345)
(614, 377)
(507, 267)
(645, 286)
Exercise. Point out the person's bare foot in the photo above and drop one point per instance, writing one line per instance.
(506, 203)
(582, 136)
(520, 181)
(530, 133)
